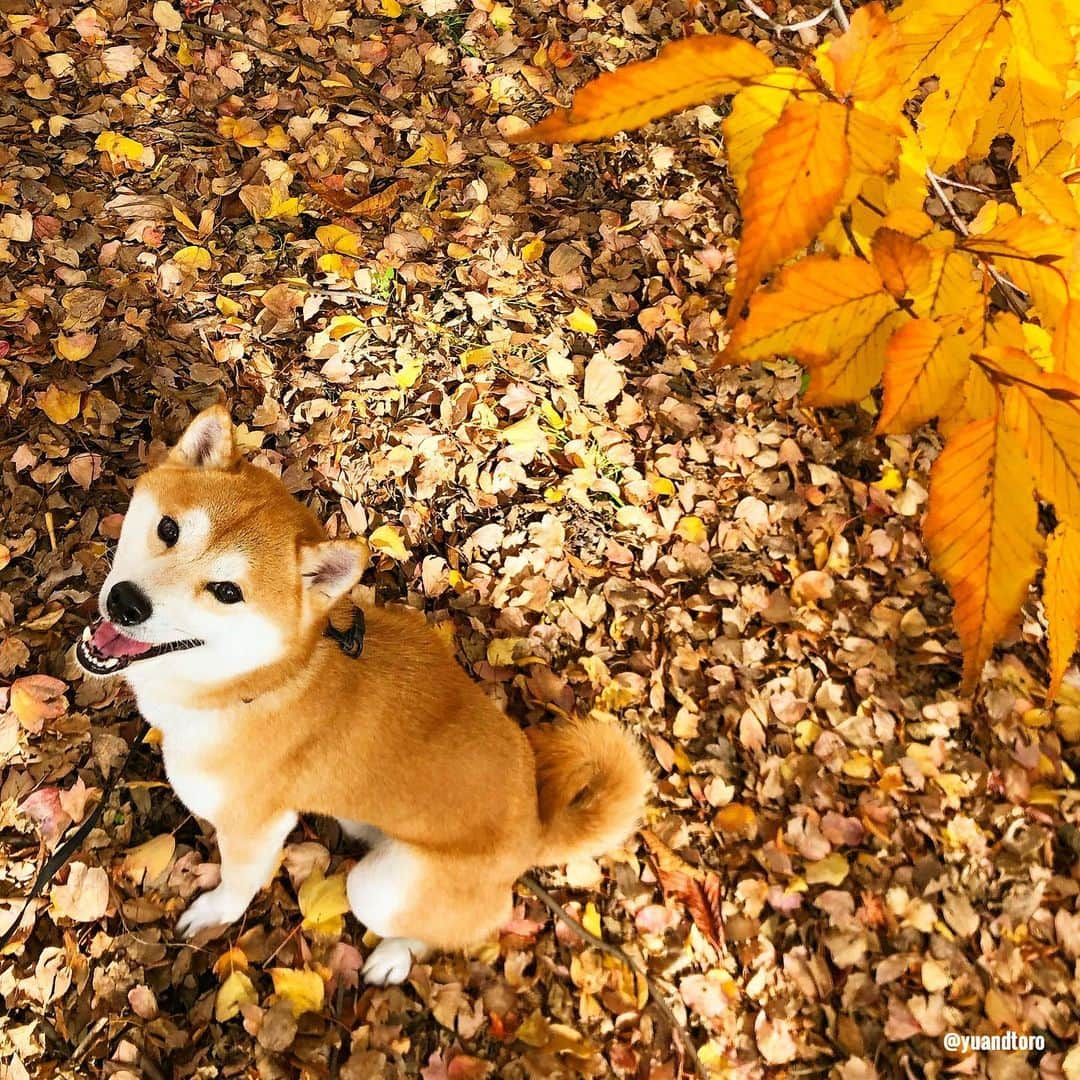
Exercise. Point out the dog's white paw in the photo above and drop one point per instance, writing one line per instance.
(215, 908)
(391, 961)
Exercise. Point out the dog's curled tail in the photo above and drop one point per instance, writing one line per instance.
(591, 782)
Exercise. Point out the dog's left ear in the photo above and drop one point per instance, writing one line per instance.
(332, 568)
(208, 442)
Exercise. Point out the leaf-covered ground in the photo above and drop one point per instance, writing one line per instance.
(495, 364)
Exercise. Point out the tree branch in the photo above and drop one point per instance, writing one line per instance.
(762, 14)
(1012, 293)
(658, 998)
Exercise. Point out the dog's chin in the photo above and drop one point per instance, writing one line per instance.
(105, 650)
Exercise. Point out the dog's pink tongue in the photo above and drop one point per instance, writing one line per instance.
(109, 641)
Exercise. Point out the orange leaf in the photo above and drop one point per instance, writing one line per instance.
(1049, 431)
(1066, 343)
(1016, 366)
(904, 264)
(687, 72)
(754, 112)
(949, 115)
(794, 182)
(923, 366)
(1061, 598)
(981, 533)
(817, 305)
(952, 289)
(864, 58)
(853, 370)
(932, 32)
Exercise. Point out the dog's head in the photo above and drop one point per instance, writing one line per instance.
(219, 570)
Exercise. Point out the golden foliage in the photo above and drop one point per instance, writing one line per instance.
(973, 324)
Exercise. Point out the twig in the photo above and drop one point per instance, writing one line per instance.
(964, 187)
(87, 1041)
(658, 998)
(841, 14)
(804, 25)
(242, 39)
(1013, 293)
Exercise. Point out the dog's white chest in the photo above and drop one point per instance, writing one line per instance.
(192, 738)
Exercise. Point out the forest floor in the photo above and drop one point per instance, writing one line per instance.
(494, 361)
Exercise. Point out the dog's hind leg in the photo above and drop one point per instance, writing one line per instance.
(418, 900)
(368, 835)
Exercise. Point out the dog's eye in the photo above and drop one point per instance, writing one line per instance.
(226, 592)
(168, 531)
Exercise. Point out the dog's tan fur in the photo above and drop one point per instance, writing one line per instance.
(400, 739)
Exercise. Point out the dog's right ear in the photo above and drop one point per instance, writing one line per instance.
(208, 442)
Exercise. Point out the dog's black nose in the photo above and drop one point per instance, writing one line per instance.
(127, 604)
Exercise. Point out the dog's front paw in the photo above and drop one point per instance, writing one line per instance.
(215, 908)
(391, 961)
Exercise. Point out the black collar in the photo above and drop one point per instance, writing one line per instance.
(350, 640)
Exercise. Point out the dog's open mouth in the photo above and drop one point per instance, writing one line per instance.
(105, 649)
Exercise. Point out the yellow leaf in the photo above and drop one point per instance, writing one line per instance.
(924, 365)
(892, 479)
(754, 112)
(323, 903)
(277, 138)
(500, 651)
(75, 347)
(811, 310)
(1033, 253)
(932, 33)
(479, 357)
(339, 265)
(1066, 343)
(1049, 431)
(406, 375)
(590, 919)
(859, 767)
(390, 540)
(526, 434)
(391, 9)
(533, 250)
(338, 239)
(692, 529)
(235, 991)
(303, 990)
(864, 58)
(690, 71)
(832, 870)
(904, 263)
(193, 258)
(1061, 598)
(1045, 193)
(981, 533)
(341, 326)
(552, 416)
(793, 184)
(148, 861)
(581, 321)
(121, 147)
(58, 405)
(949, 115)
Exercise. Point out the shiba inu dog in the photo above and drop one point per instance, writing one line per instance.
(215, 611)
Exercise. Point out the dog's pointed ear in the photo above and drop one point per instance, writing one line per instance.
(331, 568)
(208, 442)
